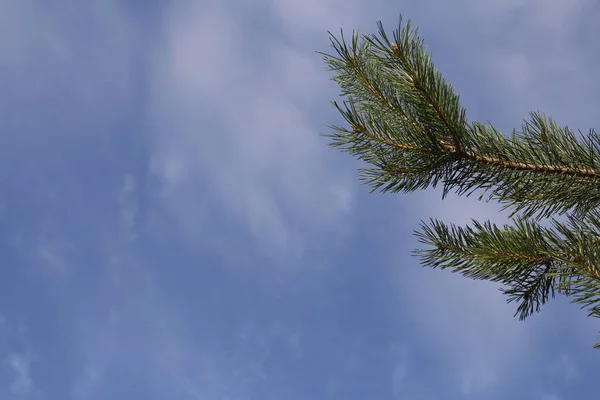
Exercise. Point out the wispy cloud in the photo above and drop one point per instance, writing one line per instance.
(128, 205)
(566, 368)
(22, 382)
(251, 147)
(53, 64)
(542, 56)
(550, 396)
(45, 251)
(400, 371)
(161, 163)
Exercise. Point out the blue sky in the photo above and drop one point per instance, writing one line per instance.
(173, 226)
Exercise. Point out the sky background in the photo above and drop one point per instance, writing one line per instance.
(173, 226)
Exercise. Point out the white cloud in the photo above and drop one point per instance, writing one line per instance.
(557, 16)
(303, 18)
(52, 253)
(566, 368)
(86, 384)
(67, 66)
(20, 366)
(400, 371)
(128, 207)
(45, 250)
(477, 379)
(550, 396)
(136, 328)
(541, 61)
(235, 130)
(47, 66)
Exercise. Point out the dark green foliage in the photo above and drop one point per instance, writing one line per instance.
(406, 123)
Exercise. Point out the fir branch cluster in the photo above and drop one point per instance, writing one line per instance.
(405, 121)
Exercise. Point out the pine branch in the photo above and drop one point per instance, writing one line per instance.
(531, 262)
(401, 110)
(407, 124)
